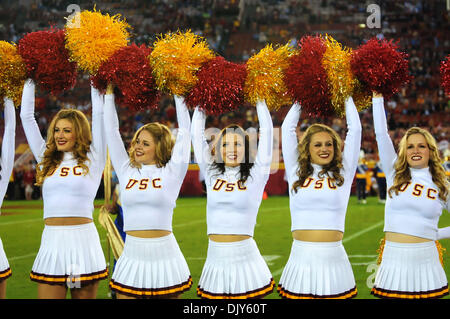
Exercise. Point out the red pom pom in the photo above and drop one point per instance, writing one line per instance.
(380, 67)
(220, 87)
(445, 75)
(306, 78)
(47, 60)
(130, 71)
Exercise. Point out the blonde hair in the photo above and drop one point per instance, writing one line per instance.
(305, 168)
(401, 166)
(83, 138)
(164, 143)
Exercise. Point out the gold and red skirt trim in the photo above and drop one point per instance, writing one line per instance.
(73, 281)
(290, 295)
(4, 274)
(257, 293)
(150, 292)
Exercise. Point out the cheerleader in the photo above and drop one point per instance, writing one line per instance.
(7, 163)
(69, 169)
(234, 267)
(150, 177)
(417, 193)
(320, 177)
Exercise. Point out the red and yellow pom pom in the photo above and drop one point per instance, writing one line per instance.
(175, 60)
(265, 76)
(129, 71)
(12, 73)
(47, 60)
(92, 37)
(445, 75)
(341, 81)
(220, 87)
(380, 67)
(307, 79)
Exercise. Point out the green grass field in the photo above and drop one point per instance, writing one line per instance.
(21, 225)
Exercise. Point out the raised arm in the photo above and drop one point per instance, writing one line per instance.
(30, 126)
(265, 146)
(352, 144)
(8, 146)
(181, 151)
(201, 148)
(116, 148)
(289, 139)
(386, 149)
(98, 146)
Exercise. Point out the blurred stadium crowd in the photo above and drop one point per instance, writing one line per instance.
(236, 29)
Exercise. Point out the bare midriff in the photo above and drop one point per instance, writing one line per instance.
(318, 235)
(403, 238)
(154, 233)
(228, 238)
(67, 221)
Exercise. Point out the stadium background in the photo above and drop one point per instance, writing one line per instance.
(236, 30)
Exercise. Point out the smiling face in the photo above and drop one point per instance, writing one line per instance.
(321, 148)
(232, 149)
(417, 151)
(64, 135)
(145, 148)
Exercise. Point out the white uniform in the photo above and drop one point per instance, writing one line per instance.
(7, 163)
(315, 269)
(68, 253)
(409, 270)
(236, 269)
(149, 266)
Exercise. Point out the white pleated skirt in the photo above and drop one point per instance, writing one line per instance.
(410, 271)
(151, 267)
(317, 270)
(69, 255)
(5, 271)
(234, 270)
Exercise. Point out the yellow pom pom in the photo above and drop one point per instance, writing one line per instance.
(12, 73)
(265, 73)
(175, 60)
(92, 37)
(341, 81)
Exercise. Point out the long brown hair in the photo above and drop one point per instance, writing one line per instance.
(83, 138)
(164, 143)
(305, 168)
(218, 163)
(403, 173)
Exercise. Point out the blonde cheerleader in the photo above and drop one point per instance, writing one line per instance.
(7, 163)
(69, 169)
(417, 193)
(320, 177)
(235, 182)
(150, 177)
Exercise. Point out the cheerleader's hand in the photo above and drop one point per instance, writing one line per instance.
(376, 94)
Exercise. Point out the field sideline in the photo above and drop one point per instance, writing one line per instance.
(21, 226)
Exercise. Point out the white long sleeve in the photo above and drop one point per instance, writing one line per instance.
(8, 147)
(202, 150)
(386, 149)
(30, 126)
(352, 144)
(289, 139)
(98, 145)
(265, 147)
(181, 152)
(116, 148)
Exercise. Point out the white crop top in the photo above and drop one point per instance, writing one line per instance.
(67, 192)
(232, 206)
(8, 147)
(148, 194)
(416, 209)
(320, 204)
